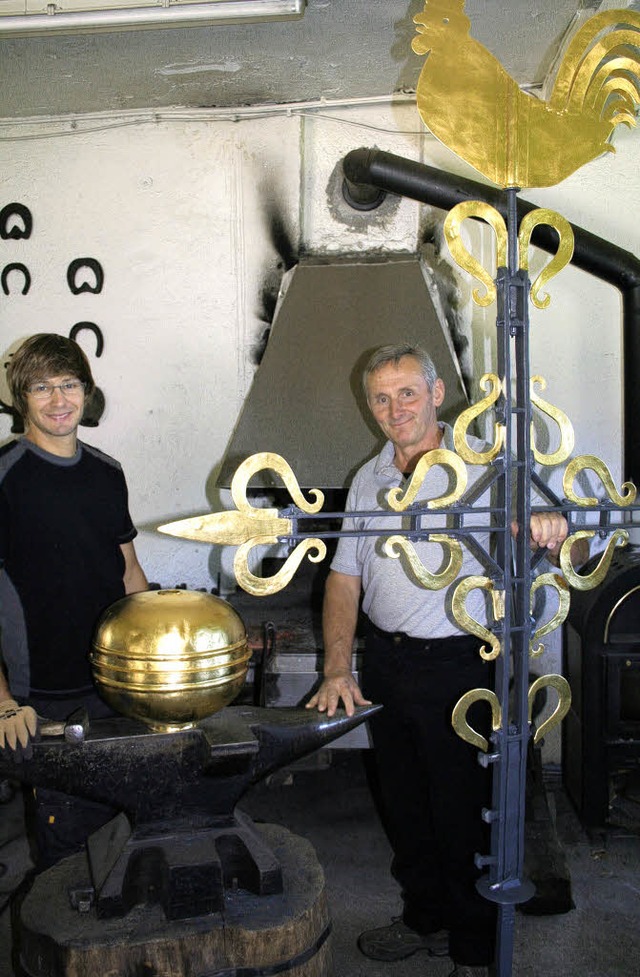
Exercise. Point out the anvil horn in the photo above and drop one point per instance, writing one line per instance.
(296, 733)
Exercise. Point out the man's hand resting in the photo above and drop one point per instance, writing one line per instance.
(341, 685)
(17, 725)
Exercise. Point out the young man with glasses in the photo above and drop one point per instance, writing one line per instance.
(66, 553)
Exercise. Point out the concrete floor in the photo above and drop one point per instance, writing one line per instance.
(332, 808)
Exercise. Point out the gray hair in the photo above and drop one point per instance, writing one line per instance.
(393, 354)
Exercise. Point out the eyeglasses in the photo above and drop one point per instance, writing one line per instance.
(42, 391)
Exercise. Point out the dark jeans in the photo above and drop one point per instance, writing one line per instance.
(431, 786)
(59, 824)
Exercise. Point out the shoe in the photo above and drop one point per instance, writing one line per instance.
(398, 941)
(463, 970)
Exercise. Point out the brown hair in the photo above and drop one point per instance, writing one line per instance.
(46, 355)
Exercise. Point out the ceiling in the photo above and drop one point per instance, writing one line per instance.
(339, 49)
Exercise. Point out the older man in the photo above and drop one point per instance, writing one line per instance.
(66, 553)
(417, 663)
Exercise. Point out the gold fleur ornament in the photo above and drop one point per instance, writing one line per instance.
(248, 526)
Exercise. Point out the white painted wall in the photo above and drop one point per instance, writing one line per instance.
(175, 206)
(172, 212)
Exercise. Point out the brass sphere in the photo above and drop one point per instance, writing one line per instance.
(169, 657)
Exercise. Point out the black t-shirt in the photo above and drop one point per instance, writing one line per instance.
(62, 521)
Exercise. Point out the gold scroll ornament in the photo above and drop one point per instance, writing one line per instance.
(620, 537)
(560, 259)
(467, 732)
(400, 499)
(462, 726)
(463, 257)
(559, 584)
(495, 386)
(592, 463)
(491, 382)
(468, 623)
(483, 211)
(562, 687)
(567, 438)
(471, 104)
(397, 545)
(439, 456)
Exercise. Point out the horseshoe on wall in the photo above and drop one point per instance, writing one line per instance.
(24, 271)
(95, 404)
(91, 326)
(17, 424)
(74, 268)
(16, 232)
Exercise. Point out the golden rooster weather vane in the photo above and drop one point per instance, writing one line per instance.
(468, 100)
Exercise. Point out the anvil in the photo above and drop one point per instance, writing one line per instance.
(179, 840)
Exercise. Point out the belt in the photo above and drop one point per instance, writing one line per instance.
(453, 642)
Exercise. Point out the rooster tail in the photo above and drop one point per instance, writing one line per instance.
(600, 69)
(607, 83)
(614, 91)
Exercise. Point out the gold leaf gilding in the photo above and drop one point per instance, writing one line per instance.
(567, 438)
(468, 101)
(468, 623)
(431, 581)
(439, 456)
(459, 721)
(563, 689)
(469, 415)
